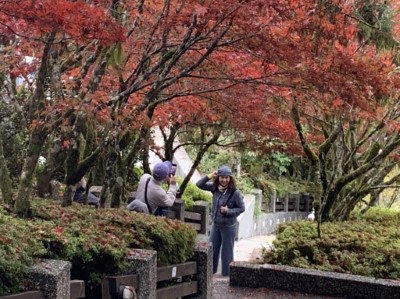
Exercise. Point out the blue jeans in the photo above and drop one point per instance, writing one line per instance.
(161, 211)
(223, 240)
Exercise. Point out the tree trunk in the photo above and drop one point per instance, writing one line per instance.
(43, 182)
(22, 202)
(38, 135)
(200, 153)
(68, 195)
(76, 165)
(5, 181)
(55, 160)
(105, 193)
(117, 193)
(109, 179)
(117, 183)
(169, 142)
(55, 190)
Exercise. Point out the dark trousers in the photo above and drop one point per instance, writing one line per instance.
(223, 240)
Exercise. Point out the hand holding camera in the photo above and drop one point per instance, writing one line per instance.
(172, 179)
(173, 170)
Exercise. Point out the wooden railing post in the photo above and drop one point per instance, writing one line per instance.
(202, 207)
(179, 209)
(77, 289)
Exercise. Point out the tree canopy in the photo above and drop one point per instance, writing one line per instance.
(300, 76)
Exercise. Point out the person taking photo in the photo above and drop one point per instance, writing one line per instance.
(150, 197)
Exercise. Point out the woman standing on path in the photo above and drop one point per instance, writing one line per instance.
(227, 205)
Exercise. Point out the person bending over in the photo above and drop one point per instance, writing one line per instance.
(79, 195)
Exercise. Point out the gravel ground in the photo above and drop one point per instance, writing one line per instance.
(222, 290)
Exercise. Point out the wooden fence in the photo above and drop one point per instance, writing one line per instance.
(77, 290)
(292, 202)
(111, 286)
(171, 282)
(199, 217)
(25, 295)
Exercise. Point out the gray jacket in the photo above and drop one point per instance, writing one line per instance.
(235, 204)
(156, 195)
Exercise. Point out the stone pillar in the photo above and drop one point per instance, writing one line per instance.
(144, 263)
(258, 198)
(296, 201)
(286, 203)
(203, 257)
(52, 277)
(307, 202)
(273, 202)
(203, 208)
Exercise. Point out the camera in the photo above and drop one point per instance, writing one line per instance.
(173, 169)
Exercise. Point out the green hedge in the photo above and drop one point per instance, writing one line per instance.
(193, 193)
(97, 242)
(18, 248)
(366, 245)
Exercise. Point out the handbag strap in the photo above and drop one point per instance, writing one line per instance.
(145, 196)
(230, 196)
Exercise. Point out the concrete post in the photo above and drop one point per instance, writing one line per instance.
(52, 277)
(286, 203)
(296, 201)
(273, 202)
(144, 263)
(306, 197)
(258, 198)
(203, 257)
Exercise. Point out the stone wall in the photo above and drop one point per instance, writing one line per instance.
(311, 281)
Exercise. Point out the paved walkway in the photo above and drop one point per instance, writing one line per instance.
(246, 250)
(250, 250)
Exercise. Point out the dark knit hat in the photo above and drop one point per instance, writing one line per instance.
(224, 170)
(160, 171)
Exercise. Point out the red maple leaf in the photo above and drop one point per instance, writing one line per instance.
(59, 231)
(200, 10)
(337, 103)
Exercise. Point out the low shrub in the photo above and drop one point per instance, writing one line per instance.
(366, 245)
(18, 248)
(97, 242)
(193, 193)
